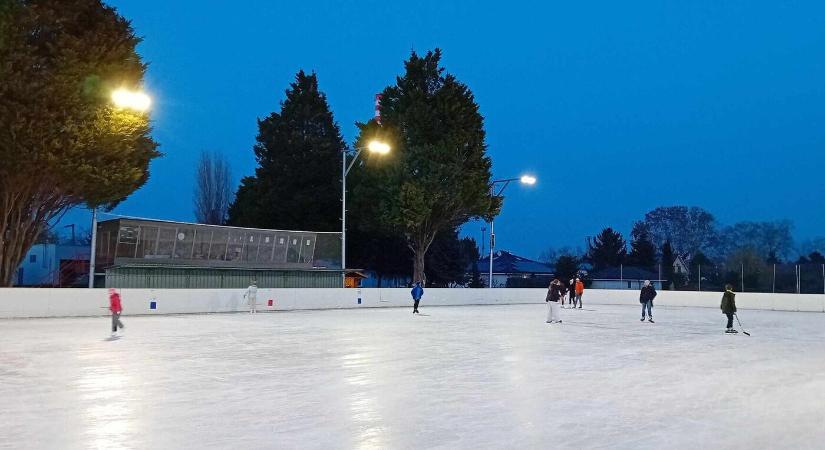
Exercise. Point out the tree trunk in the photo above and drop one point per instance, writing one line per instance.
(418, 266)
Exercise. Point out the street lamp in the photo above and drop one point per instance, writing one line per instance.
(122, 99)
(377, 147)
(524, 179)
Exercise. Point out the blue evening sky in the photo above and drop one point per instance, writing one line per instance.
(616, 107)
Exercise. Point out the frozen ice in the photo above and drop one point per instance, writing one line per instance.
(454, 377)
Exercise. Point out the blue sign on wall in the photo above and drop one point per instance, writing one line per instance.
(153, 305)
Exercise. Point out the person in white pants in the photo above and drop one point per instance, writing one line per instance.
(251, 297)
(554, 293)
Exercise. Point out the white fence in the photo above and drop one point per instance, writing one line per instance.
(21, 302)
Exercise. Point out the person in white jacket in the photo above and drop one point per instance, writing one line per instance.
(251, 297)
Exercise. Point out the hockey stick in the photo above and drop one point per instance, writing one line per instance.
(740, 325)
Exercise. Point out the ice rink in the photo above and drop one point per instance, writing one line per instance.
(453, 378)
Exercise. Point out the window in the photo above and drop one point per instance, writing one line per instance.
(32, 258)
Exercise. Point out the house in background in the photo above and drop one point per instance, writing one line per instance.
(623, 277)
(511, 270)
(54, 265)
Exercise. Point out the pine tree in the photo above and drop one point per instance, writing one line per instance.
(642, 249)
(437, 175)
(297, 185)
(608, 249)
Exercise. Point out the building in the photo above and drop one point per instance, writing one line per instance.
(511, 270)
(623, 277)
(138, 253)
(54, 265)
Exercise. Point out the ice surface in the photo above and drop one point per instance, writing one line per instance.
(457, 377)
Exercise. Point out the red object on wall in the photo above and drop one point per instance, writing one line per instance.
(378, 108)
(269, 303)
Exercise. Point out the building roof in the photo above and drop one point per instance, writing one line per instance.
(624, 273)
(506, 262)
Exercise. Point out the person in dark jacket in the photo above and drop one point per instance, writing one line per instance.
(646, 296)
(417, 292)
(554, 293)
(729, 307)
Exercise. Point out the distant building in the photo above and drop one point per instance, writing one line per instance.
(54, 265)
(623, 277)
(137, 253)
(511, 270)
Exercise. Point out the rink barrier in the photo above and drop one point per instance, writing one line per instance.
(23, 302)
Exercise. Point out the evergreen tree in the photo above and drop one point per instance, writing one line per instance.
(608, 249)
(62, 141)
(297, 185)
(642, 249)
(567, 267)
(437, 175)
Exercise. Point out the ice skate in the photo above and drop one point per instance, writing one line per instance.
(642, 319)
(651, 320)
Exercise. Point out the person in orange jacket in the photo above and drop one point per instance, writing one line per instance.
(579, 292)
(116, 308)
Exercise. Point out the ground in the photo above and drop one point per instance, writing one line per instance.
(455, 377)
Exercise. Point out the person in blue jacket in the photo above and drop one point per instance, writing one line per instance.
(417, 292)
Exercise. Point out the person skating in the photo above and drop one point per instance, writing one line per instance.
(579, 292)
(563, 295)
(553, 295)
(251, 296)
(417, 292)
(572, 293)
(729, 307)
(116, 308)
(646, 296)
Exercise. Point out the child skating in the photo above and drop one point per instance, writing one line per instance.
(646, 296)
(116, 308)
(417, 292)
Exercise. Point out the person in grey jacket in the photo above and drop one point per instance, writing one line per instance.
(646, 296)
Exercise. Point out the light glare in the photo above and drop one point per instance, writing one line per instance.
(378, 147)
(528, 179)
(137, 101)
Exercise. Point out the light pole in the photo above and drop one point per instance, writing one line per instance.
(524, 179)
(376, 147)
(122, 99)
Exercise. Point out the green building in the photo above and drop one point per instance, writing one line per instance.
(156, 254)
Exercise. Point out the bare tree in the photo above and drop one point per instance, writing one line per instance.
(212, 189)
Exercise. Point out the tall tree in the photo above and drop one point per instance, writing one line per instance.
(567, 267)
(642, 249)
(212, 189)
(297, 184)
(688, 229)
(762, 237)
(62, 141)
(607, 249)
(437, 176)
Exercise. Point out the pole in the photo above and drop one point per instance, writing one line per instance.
(700, 278)
(774, 279)
(492, 244)
(343, 218)
(823, 278)
(743, 277)
(93, 249)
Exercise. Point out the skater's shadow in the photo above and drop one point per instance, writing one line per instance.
(111, 338)
(423, 315)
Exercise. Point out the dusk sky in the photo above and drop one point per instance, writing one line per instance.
(616, 107)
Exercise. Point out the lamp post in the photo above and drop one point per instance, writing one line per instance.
(524, 179)
(122, 99)
(376, 147)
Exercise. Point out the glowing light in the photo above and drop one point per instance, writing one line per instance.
(137, 101)
(378, 147)
(528, 179)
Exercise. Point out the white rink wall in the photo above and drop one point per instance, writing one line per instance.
(23, 303)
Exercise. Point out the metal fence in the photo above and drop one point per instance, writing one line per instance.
(782, 278)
